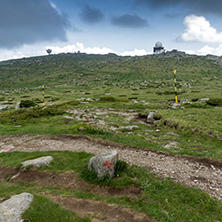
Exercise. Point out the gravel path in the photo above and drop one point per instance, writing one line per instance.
(198, 173)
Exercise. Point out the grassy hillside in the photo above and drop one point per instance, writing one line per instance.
(81, 86)
(109, 97)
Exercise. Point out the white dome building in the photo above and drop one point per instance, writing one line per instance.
(158, 48)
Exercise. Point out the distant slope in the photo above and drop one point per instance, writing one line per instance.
(93, 70)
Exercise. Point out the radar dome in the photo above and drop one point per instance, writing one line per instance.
(158, 45)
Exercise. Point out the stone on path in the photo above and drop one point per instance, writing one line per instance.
(11, 209)
(7, 149)
(104, 164)
(41, 161)
(150, 117)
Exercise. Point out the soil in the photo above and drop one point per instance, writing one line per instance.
(66, 180)
(100, 211)
(202, 173)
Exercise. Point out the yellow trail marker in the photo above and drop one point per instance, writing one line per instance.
(175, 82)
(43, 96)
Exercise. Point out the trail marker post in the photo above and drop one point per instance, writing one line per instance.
(43, 95)
(175, 83)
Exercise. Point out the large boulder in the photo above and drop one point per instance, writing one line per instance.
(11, 209)
(104, 164)
(150, 117)
(41, 161)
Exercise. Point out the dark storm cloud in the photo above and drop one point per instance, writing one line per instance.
(130, 21)
(91, 15)
(195, 6)
(30, 21)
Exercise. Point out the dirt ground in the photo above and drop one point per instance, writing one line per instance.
(202, 173)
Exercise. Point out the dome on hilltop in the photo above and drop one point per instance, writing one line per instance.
(158, 45)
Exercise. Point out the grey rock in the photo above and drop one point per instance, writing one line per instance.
(130, 128)
(41, 161)
(175, 105)
(184, 101)
(68, 117)
(104, 164)
(3, 107)
(11, 209)
(204, 99)
(150, 117)
(7, 149)
(17, 105)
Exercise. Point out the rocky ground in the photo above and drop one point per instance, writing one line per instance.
(201, 173)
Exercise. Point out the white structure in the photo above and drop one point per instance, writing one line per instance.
(158, 48)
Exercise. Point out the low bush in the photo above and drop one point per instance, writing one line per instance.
(215, 102)
(28, 115)
(27, 103)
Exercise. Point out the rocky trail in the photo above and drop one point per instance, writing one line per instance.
(202, 173)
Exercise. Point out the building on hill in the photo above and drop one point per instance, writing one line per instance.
(158, 49)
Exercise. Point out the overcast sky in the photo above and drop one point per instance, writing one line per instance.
(125, 27)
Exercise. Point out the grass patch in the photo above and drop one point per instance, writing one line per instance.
(163, 200)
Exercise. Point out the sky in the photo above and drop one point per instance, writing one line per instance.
(124, 27)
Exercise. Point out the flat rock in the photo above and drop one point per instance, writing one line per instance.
(104, 164)
(7, 149)
(130, 128)
(11, 209)
(175, 105)
(41, 161)
(3, 107)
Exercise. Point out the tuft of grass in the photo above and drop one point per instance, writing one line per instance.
(43, 209)
(29, 115)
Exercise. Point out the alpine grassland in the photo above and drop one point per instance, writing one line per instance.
(109, 97)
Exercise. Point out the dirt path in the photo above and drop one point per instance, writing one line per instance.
(194, 172)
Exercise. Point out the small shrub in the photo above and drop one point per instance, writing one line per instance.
(215, 102)
(27, 103)
(195, 99)
(107, 99)
(157, 116)
(120, 167)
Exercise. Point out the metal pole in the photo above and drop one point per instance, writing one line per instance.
(43, 96)
(175, 82)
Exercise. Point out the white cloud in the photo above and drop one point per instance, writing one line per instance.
(53, 5)
(135, 52)
(198, 29)
(210, 50)
(40, 49)
(80, 47)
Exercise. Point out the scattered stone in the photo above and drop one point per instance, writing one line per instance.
(17, 105)
(41, 161)
(3, 107)
(104, 164)
(150, 117)
(130, 128)
(13, 208)
(68, 117)
(171, 145)
(172, 134)
(184, 101)
(204, 99)
(175, 105)
(7, 149)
